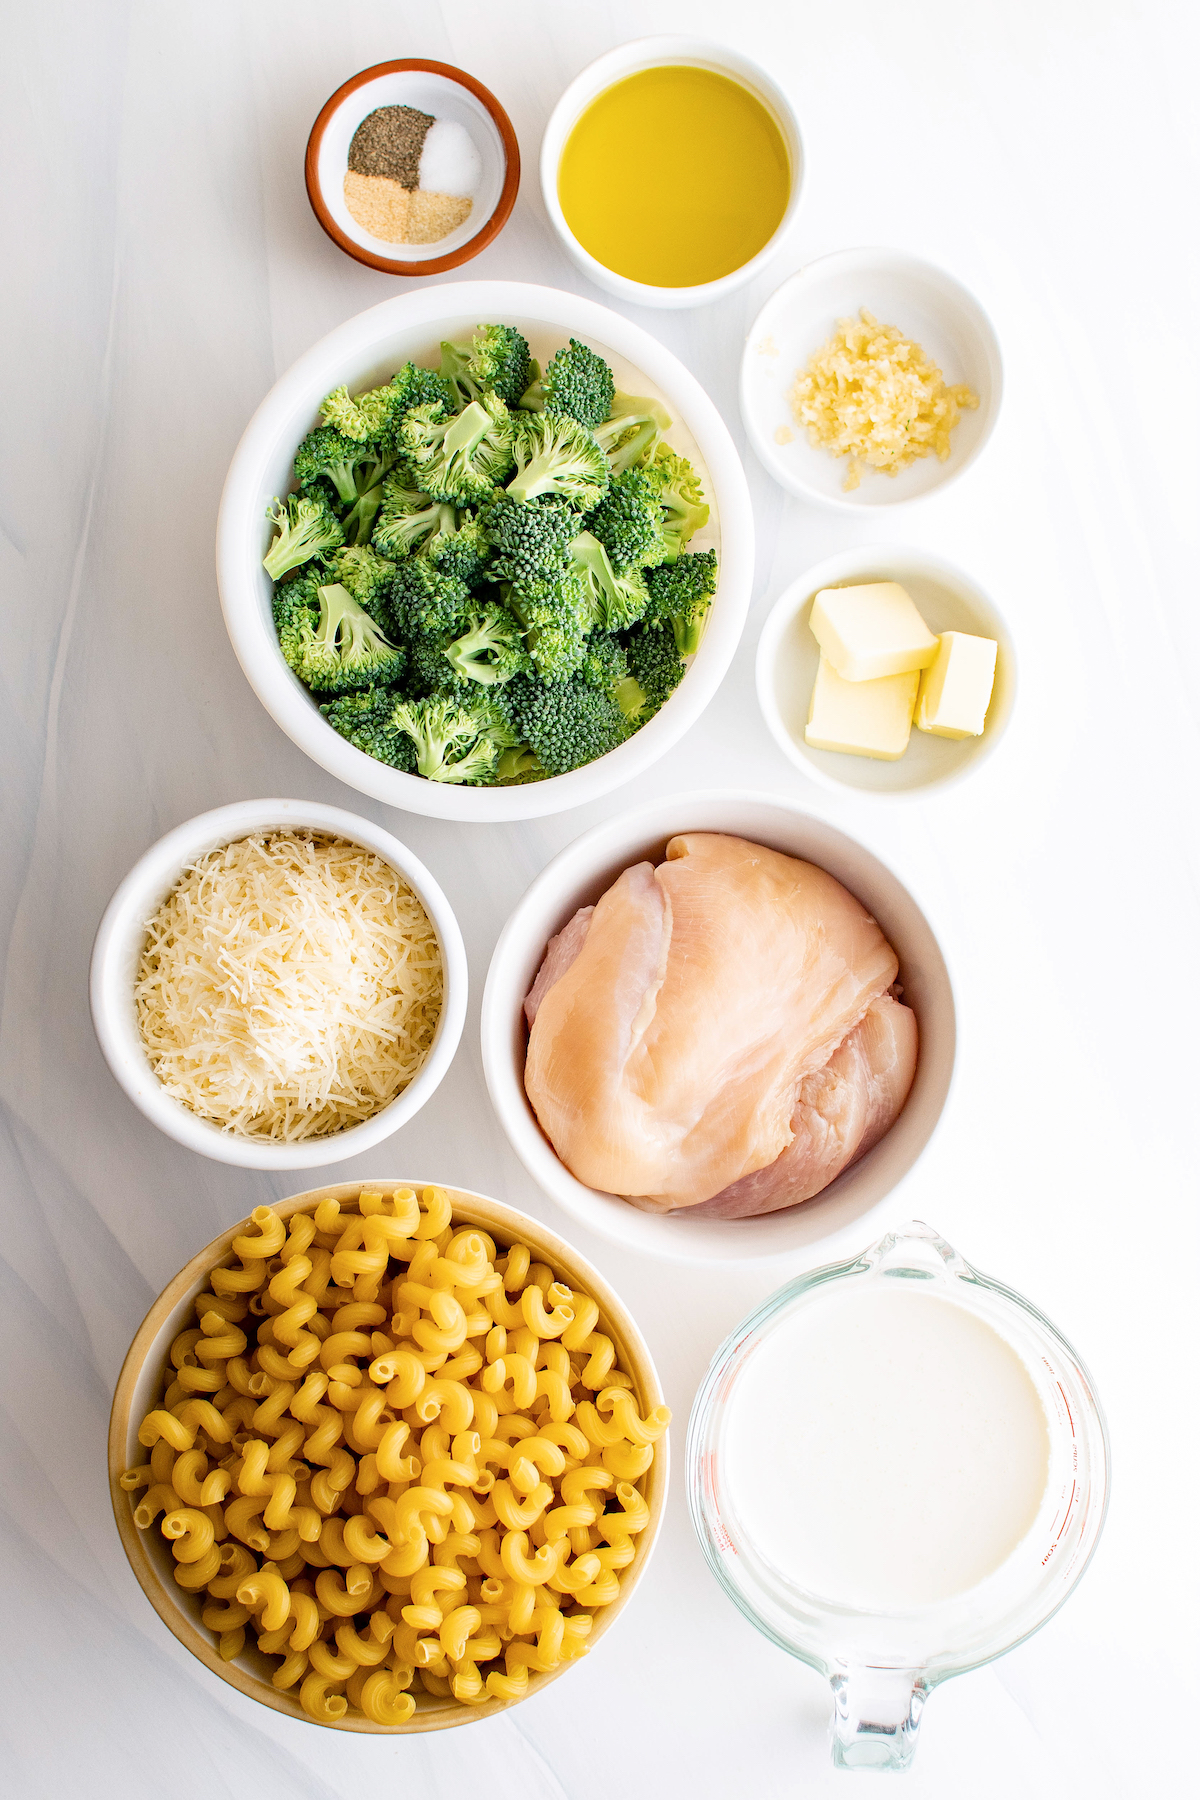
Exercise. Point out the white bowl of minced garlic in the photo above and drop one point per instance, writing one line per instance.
(870, 378)
(278, 984)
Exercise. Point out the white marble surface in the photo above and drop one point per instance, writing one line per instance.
(161, 268)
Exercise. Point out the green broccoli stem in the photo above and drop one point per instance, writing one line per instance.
(342, 476)
(688, 633)
(297, 543)
(630, 696)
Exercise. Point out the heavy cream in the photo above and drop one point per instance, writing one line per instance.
(884, 1447)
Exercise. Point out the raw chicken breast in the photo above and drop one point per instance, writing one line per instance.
(842, 1111)
(667, 1055)
(561, 952)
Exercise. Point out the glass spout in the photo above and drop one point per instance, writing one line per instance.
(876, 1716)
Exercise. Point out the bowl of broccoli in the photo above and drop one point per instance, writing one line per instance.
(485, 551)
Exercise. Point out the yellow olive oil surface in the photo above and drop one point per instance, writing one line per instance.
(674, 177)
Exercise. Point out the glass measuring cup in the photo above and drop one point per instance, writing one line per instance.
(883, 1663)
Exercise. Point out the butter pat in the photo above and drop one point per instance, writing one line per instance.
(862, 718)
(956, 688)
(871, 631)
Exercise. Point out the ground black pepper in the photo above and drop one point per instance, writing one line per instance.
(389, 142)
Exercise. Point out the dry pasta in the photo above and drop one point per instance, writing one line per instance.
(396, 1457)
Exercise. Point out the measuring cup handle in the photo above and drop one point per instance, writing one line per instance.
(876, 1715)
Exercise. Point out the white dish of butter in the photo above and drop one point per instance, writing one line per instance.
(937, 672)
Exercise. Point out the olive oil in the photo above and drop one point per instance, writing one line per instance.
(674, 176)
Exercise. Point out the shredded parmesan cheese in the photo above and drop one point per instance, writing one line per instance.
(289, 986)
(871, 394)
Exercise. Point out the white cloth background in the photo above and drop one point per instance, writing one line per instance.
(161, 268)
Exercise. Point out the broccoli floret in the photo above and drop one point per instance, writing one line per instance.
(655, 663)
(680, 594)
(566, 723)
(412, 386)
(372, 417)
(614, 601)
(679, 495)
(577, 382)
(423, 599)
(367, 575)
(492, 650)
(455, 742)
(606, 666)
(462, 553)
(429, 668)
(327, 455)
(363, 418)
(462, 458)
(605, 663)
(631, 430)
(331, 642)
(409, 518)
(530, 538)
(553, 611)
(497, 358)
(556, 455)
(629, 522)
(307, 527)
(365, 720)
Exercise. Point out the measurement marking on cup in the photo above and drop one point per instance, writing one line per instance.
(1067, 1404)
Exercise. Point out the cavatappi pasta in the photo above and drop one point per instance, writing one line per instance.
(396, 1456)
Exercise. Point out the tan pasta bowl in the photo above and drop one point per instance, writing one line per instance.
(141, 1383)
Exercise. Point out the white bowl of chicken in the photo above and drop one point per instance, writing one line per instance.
(455, 667)
(718, 1027)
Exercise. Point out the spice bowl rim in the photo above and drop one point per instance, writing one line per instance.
(631, 59)
(872, 562)
(369, 339)
(122, 931)
(577, 876)
(877, 491)
(147, 1355)
(491, 227)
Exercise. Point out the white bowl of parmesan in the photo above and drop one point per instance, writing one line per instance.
(279, 984)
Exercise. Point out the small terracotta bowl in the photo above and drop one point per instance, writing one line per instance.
(141, 1382)
(447, 93)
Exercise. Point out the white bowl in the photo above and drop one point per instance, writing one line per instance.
(585, 870)
(367, 350)
(788, 654)
(654, 53)
(927, 305)
(118, 948)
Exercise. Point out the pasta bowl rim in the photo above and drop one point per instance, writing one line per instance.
(496, 1218)
(296, 395)
(583, 870)
(114, 958)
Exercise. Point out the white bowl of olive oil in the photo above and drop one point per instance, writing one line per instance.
(607, 176)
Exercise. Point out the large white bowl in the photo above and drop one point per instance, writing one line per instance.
(788, 654)
(118, 949)
(926, 304)
(631, 59)
(367, 350)
(577, 877)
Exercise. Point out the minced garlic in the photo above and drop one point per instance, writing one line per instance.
(873, 395)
